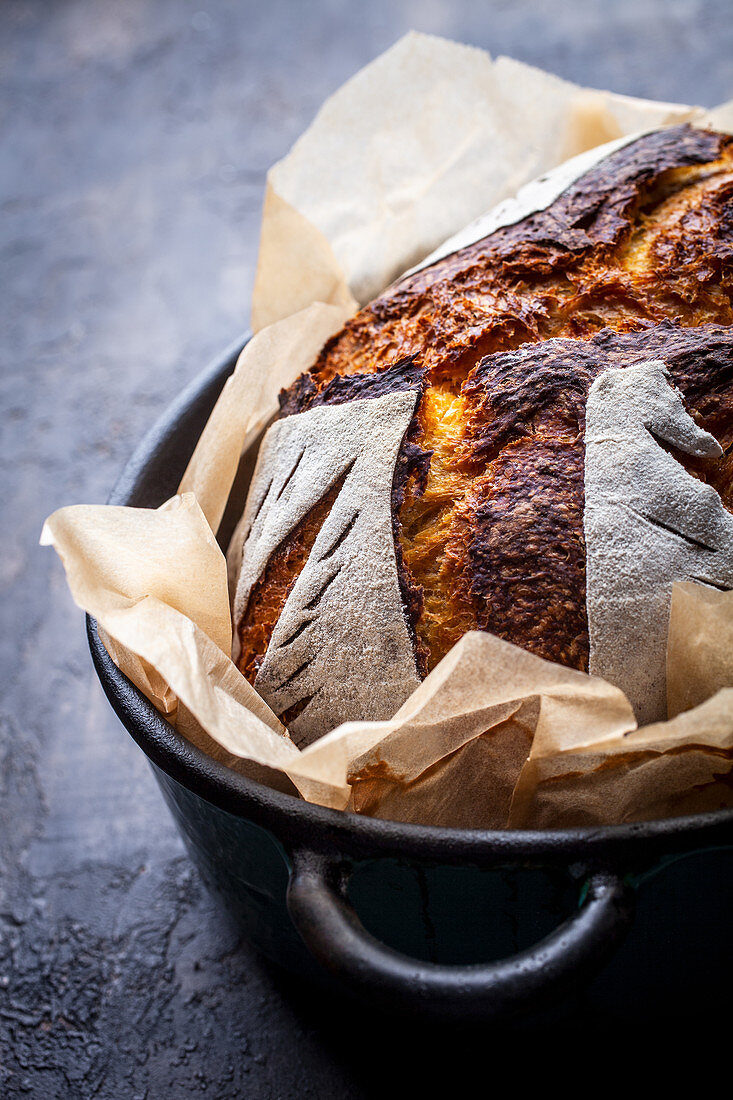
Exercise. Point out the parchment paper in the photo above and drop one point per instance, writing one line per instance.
(419, 143)
(414, 147)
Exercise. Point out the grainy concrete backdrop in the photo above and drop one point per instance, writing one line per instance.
(134, 141)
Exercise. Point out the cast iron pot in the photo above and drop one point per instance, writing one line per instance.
(611, 922)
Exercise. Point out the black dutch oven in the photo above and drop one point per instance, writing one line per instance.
(614, 922)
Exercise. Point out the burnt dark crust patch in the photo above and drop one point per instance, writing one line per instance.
(508, 392)
(305, 393)
(411, 468)
(524, 444)
(527, 555)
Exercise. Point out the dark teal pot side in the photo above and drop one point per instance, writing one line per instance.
(244, 866)
(448, 915)
(672, 962)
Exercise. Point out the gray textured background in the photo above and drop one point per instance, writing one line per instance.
(135, 137)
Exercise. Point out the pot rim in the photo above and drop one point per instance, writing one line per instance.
(300, 824)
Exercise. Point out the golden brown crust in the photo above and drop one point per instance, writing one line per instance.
(569, 270)
(625, 265)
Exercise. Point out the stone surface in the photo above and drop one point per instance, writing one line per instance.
(135, 140)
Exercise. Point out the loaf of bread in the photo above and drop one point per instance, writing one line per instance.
(433, 473)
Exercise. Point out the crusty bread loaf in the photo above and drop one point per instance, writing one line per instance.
(501, 342)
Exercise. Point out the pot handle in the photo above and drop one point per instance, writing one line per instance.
(336, 938)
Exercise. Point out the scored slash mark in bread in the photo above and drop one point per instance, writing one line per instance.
(338, 620)
(633, 261)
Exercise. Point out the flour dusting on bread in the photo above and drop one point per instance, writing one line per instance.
(647, 523)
